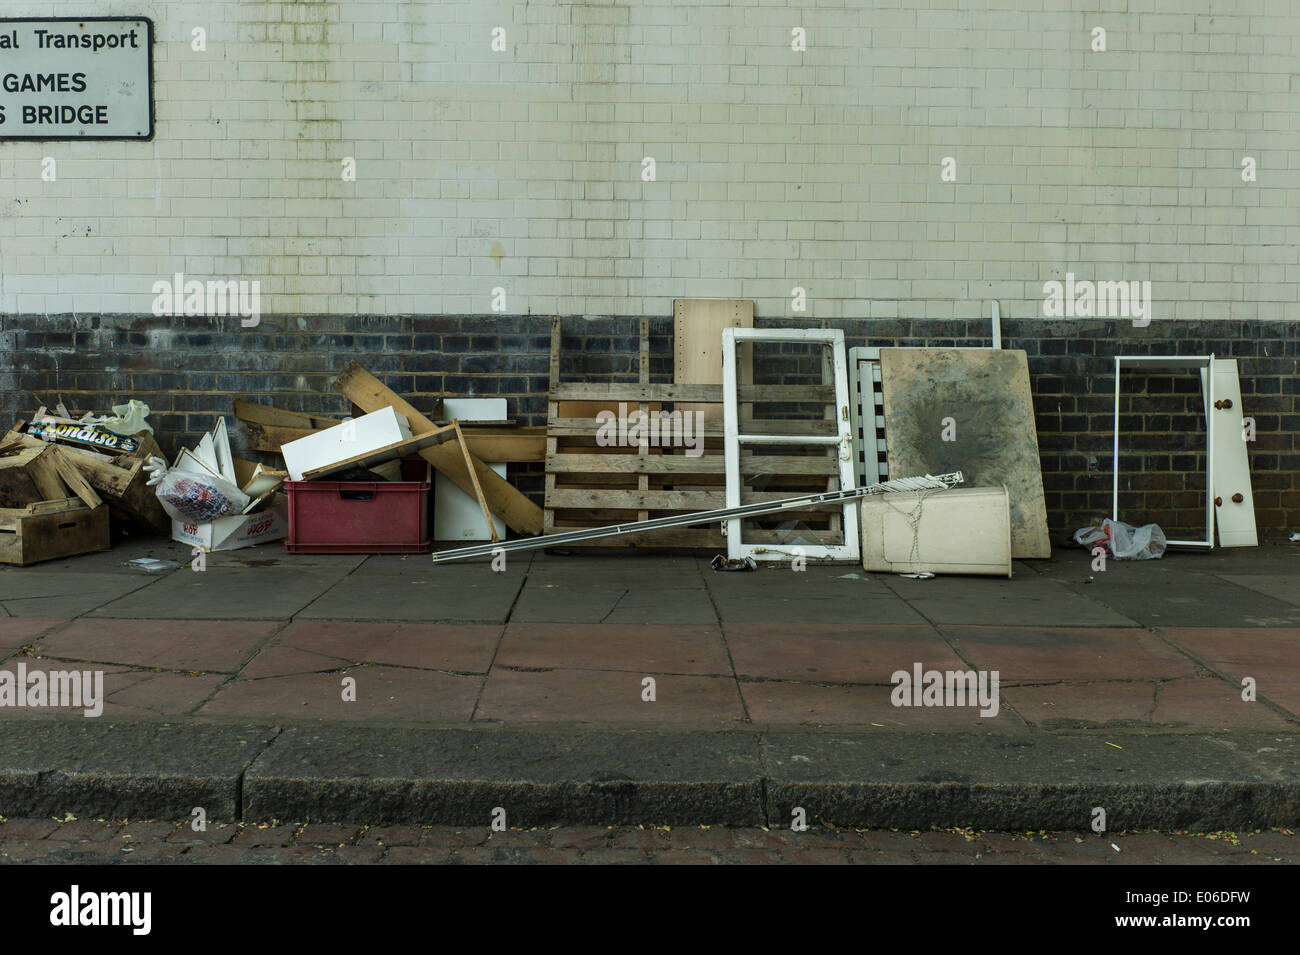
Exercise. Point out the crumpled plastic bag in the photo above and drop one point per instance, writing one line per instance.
(127, 419)
(1124, 541)
(194, 498)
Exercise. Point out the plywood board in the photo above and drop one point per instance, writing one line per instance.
(986, 394)
(697, 340)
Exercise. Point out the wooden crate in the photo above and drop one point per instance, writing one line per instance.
(50, 530)
(121, 481)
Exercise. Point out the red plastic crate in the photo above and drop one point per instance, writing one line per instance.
(361, 517)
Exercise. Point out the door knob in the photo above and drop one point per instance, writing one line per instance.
(1237, 498)
(1223, 403)
(1218, 502)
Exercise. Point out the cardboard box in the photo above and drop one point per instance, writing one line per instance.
(242, 530)
(963, 530)
(358, 436)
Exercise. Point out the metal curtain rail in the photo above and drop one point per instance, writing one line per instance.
(950, 479)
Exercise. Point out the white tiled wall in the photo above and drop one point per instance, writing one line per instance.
(775, 168)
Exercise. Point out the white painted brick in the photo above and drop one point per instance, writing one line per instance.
(774, 167)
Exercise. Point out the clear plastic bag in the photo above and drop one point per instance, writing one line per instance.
(194, 498)
(1124, 541)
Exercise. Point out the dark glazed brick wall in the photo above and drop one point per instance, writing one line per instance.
(188, 370)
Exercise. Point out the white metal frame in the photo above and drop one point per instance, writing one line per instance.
(843, 443)
(1167, 363)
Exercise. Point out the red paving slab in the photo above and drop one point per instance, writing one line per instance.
(219, 645)
(1202, 702)
(19, 631)
(834, 653)
(584, 696)
(1050, 655)
(383, 694)
(781, 702)
(1242, 647)
(1270, 656)
(314, 645)
(643, 648)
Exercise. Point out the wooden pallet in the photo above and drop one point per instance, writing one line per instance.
(592, 486)
(588, 485)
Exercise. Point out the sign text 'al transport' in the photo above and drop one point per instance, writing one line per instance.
(76, 78)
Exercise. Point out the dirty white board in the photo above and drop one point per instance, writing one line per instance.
(1229, 463)
(980, 399)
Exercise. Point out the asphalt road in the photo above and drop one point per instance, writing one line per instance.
(94, 842)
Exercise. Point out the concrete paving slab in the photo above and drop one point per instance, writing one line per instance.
(224, 592)
(313, 646)
(990, 601)
(781, 702)
(538, 776)
(25, 582)
(122, 770)
(834, 653)
(1054, 654)
(206, 645)
(619, 572)
(1188, 600)
(68, 605)
(422, 592)
(1282, 587)
(838, 581)
(383, 694)
(1203, 702)
(1034, 781)
(639, 649)
(607, 696)
(777, 607)
(576, 602)
(665, 605)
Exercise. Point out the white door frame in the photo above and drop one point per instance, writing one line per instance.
(842, 442)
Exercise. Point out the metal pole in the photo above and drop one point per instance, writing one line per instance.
(950, 479)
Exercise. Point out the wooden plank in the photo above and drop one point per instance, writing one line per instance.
(568, 463)
(631, 391)
(637, 500)
(552, 412)
(368, 392)
(67, 471)
(270, 438)
(250, 411)
(587, 427)
(478, 490)
(506, 446)
(398, 449)
(681, 464)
